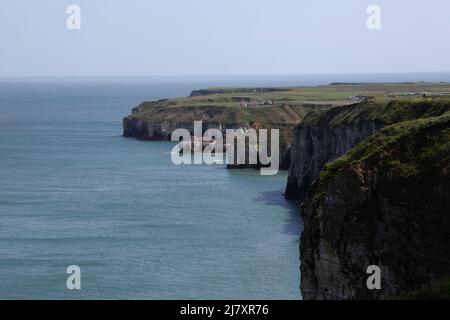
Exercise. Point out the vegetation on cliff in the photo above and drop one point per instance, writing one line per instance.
(276, 105)
(325, 135)
(384, 202)
(410, 147)
(386, 110)
(269, 108)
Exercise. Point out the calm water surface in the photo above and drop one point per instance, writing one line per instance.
(73, 191)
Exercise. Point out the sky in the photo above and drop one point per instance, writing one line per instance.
(222, 37)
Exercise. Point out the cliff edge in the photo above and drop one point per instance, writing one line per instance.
(223, 109)
(325, 135)
(385, 202)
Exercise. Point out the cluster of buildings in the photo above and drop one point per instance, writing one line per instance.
(407, 94)
(251, 103)
(359, 98)
(391, 95)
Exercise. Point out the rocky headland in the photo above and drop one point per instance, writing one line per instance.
(375, 182)
(222, 109)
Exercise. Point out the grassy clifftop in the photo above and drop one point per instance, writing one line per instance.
(160, 112)
(384, 202)
(278, 105)
(386, 110)
(376, 178)
(409, 148)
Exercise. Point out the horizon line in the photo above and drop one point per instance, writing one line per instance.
(225, 75)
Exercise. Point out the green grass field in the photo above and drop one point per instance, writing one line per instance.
(329, 94)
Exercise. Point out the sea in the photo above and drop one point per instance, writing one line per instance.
(74, 192)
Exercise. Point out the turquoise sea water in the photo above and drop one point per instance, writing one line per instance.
(73, 191)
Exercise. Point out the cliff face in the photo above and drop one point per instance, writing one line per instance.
(314, 146)
(160, 131)
(157, 120)
(386, 203)
(327, 134)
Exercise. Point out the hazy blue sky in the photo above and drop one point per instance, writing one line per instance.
(154, 37)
